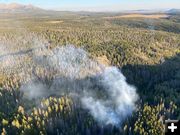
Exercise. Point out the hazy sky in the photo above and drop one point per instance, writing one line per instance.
(100, 5)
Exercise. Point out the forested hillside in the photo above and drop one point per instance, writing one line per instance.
(146, 51)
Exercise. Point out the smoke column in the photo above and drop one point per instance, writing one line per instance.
(103, 91)
(120, 102)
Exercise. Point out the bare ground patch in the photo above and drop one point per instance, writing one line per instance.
(150, 16)
(55, 22)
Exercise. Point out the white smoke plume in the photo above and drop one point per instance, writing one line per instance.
(120, 102)
(103, 91)
(73, 62)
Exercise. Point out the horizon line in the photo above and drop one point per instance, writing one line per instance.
(92, 9)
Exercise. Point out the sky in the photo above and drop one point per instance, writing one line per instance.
(99, 5)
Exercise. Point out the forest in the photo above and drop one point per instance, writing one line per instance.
(36, 95)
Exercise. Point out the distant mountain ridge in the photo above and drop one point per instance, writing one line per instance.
(172, 11)
(17, 7)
